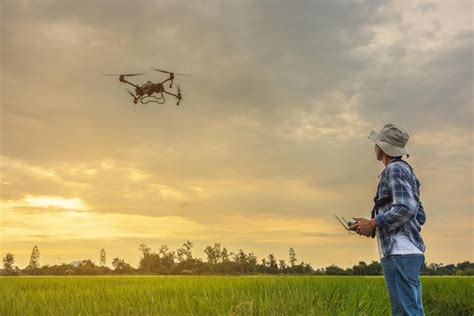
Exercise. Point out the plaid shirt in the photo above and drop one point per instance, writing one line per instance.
(404, 212)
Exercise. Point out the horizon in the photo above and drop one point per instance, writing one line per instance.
(269, 141)
(203, 258)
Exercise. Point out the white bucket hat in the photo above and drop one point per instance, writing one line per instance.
(392, 139)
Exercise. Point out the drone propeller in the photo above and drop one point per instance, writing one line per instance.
(168, 72)
(179, 89)
(125, 75)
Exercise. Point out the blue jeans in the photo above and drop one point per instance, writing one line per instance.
(402, 276)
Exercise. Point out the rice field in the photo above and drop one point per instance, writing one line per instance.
(222, 295)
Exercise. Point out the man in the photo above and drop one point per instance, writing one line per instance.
(396, 222)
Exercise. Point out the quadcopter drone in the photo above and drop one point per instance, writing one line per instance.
(145, 92)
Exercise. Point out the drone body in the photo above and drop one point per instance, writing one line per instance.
(149, 91)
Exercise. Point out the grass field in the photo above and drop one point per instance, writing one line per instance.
(222, 295)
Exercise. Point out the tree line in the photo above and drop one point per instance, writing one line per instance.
(219, 261)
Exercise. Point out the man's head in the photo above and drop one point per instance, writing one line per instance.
(390, 141)
(381, 156)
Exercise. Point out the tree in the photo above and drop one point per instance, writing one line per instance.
(375, 268)
(184, 254)
(163, 250)
(272, 265)
(144, 249)
(292, 257)
(360, 269)
(180, 253)
(102, 260)
(8, 262)
(120, 266)
(240, 259)
(213, 253)
(282, 265)
(87, 267)
(225, 255)
(252, 262)
(166, 260)
(34, 259)
(188, 253)
(334, 270)
(307, 268)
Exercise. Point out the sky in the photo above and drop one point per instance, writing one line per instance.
(270, 139)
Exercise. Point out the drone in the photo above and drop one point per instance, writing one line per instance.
(148, 91)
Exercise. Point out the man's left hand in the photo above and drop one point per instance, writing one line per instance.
(364, 226)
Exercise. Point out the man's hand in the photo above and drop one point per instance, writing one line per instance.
(364, 226)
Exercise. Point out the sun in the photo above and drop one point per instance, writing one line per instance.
(56, 201)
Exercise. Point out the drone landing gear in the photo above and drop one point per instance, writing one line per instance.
(152, 98)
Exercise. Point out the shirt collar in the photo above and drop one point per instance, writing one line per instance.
(392, 161)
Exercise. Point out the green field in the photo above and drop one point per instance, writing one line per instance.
(222, 295)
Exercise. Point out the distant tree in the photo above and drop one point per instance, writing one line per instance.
(144, 249)
(102, 260)
(87, 267)
(185, 257)
(272, 264)
(334, 270)
(163, 250)
(149, 263)
(180, 254)
(449, 269)
(188, 250)
(465, 268)
(240, 260)
(292, 259)
(252, 263)
(167, 263)
(360, 268)
(213, 253)
(120, 266)
(282, 266)
(34, 260)
(225, 255)
(308, 269)
(374, 268)
(8, 262)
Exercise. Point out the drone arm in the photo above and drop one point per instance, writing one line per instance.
(162, 82)
(174, 95)
(126, 81)
(171, 78)
(177, 96)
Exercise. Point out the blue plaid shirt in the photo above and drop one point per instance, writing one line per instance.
(405, 212)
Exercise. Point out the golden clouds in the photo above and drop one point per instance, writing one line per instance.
(55, 202)
(66, 225)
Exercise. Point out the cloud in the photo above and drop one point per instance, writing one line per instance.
(67, 225)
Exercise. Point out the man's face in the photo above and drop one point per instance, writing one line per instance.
(378, 153)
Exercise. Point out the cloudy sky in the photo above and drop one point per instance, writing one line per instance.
(270, 140)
